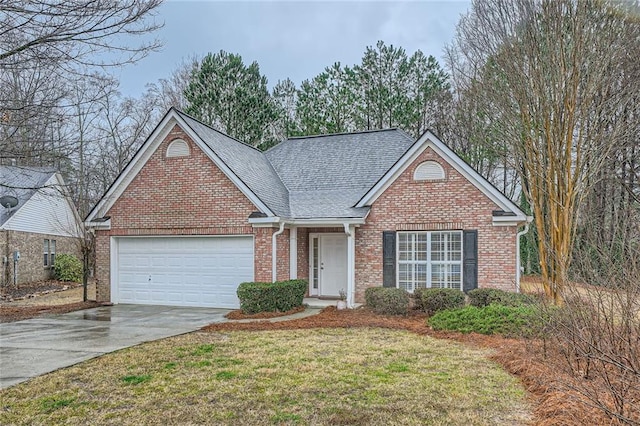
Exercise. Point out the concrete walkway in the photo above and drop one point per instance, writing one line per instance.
(37, 346)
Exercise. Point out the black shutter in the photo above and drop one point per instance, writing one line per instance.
(470, 260)
(388, 259)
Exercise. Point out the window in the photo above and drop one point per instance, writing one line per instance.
(429, 260)
(46, 253)
(49, 251)
(429, 170)
(178, 148)
(52, 252)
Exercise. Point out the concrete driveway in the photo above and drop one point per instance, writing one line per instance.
(37, 346)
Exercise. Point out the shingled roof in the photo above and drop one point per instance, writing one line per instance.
(22, 183)
(310, 177)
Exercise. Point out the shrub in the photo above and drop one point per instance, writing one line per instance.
(520, 321)
(486, 296)
(386, 300)
(437, 299)
(67, 268)
(280, 296)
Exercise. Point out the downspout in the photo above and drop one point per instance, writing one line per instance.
(518, 235)
(274, 257)
(350, 264)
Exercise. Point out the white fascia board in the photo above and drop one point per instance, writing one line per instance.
(106, 225)
(327, 222)
(264, 221)
(148, 149)
(319, 222)
(428, 139)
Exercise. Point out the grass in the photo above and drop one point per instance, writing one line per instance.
(365, 376)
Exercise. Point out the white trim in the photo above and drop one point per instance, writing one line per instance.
(114, 285)
(148, 149)
(351, 264)
(293, 253)
(315, 223)
(319, 236)
(427, 140)
(178, 148)
(312, 291)
(274, 253)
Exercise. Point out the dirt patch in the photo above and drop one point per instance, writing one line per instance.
(33, 299)
(526, 359)
(34, 289)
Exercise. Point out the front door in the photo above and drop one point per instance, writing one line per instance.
(329, 268)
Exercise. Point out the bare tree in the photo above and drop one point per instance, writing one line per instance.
(553, 73)
(75, 32)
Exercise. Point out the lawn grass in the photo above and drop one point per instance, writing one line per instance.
(365, 376)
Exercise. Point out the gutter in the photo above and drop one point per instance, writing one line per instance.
(518, 235)
(274, 249)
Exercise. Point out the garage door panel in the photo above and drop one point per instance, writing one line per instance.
(183, 271)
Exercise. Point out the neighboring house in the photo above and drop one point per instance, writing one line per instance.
(196, 212)
(42, 224)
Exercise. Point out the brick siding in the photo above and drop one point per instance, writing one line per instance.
(181, 196)
(191, 196)
(31, 246)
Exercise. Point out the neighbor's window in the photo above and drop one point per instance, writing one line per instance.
(46, 253)
(52, 252)
(429, 260)
(49, 251)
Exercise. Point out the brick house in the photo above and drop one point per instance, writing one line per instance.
(196, 212)
(42, 223)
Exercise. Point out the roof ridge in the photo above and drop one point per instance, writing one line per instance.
(359, 132)
(214, 129)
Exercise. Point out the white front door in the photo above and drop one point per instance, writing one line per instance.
(331, 268)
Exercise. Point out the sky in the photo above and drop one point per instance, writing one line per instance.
(294, 39)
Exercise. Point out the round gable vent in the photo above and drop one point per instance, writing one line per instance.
(429, 170)
(178, 148)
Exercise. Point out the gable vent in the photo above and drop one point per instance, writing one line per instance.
(429, 170)
(178, 148)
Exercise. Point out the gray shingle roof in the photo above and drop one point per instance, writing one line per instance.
(22, 183)
(310, 177)
(327, 175)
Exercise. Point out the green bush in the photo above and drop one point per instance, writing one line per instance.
(437, 299)
(387, 300)
(486, 296)
(67, 268)
(281, 296)
(513, 321)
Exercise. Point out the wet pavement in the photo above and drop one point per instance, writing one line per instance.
(37, 346)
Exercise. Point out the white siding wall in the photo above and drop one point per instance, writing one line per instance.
(48, 211)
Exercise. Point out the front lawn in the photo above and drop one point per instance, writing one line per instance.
(362, 376)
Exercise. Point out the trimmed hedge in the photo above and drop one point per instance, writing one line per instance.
(438, 299)
(386, 300)
(67, 267)
(486, 296)
(281, 296)
(511, 321)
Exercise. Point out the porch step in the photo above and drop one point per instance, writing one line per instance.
(314, 302)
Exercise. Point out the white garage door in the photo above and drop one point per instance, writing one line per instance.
(182, 271)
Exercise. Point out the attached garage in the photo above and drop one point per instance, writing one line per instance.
(202, 271)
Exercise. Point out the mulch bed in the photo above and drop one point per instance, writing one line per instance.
(239, 315)
(16, 313)
(552, 403)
